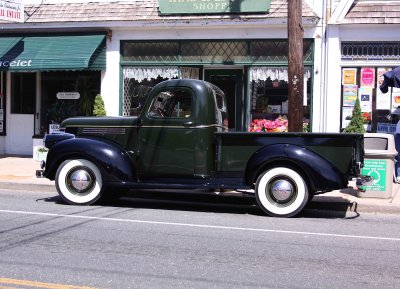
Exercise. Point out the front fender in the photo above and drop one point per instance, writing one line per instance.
(320, 173)
(113, 161)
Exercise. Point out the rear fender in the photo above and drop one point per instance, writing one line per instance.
(113, 161)
(320, 174)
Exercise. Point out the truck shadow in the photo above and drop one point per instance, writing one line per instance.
(204, 201)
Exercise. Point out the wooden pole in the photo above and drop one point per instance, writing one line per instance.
(296, 67)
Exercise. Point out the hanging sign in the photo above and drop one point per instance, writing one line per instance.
(12, 10)
(213, 6)
(68, 95)
(368, 77)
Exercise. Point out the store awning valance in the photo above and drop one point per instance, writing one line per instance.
(53, 52)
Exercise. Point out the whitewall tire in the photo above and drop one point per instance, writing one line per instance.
(281, 192)
(79, 182)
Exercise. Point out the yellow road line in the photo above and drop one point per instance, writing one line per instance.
(38, 284)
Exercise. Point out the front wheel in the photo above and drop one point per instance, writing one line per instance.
(281, 192)
(79, 182)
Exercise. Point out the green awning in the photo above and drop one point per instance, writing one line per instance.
(53, 52)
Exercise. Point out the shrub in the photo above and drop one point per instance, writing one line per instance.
(357, 120)
(99, 109)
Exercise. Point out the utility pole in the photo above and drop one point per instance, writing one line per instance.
(296, 66)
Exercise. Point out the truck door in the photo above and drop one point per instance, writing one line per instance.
(167, 135)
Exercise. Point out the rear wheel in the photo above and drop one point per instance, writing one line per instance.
(79, 182)
(281, 192)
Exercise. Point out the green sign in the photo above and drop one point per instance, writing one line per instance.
(377, 170)
(213, 6)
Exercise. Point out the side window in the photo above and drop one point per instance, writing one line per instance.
(221, 111)
(172, 103)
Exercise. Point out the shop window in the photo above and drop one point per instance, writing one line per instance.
(269, 92)
(380, 111)
(23, 93)
(67, 94)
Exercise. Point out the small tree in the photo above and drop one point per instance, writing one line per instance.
(99, 109)
(356, 124)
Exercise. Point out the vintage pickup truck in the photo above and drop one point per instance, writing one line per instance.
(180, 140)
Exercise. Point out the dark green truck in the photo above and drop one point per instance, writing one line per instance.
(181, 140)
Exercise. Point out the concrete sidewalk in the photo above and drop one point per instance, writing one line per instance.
(18, 173)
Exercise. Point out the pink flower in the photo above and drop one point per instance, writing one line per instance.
(265, 125)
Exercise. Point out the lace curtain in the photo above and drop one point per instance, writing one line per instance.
(148, 73)
(274, 73)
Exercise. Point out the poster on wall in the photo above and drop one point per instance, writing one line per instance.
(347, 113)
(365, 95)
(349, 76)
(350, 94)
(367, 77)
(382, 99)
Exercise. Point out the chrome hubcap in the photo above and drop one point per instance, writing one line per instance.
(281, 191)
(80, 180)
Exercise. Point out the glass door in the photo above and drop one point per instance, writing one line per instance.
(230, 81)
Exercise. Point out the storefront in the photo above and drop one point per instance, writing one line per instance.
(46, 78)
(362, 77)
(252, 73)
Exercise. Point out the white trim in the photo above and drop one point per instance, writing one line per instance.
(307, 22)
(341, 11)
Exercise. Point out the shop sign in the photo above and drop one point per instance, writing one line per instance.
(377, 170)
(15, 63)
(368, 77)
(68, 95)
(349, 76)
(386, 127)
(12, 10)
(54, 128)
(213, 6)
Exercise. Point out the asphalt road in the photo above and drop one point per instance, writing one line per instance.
(182, 241)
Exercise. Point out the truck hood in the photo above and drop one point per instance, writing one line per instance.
(97, 121)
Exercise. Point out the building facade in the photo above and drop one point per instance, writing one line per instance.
(121, 49)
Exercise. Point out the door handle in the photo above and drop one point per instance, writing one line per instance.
(188, 123)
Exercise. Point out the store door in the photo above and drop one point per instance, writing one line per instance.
(230, 81)
(22, 112)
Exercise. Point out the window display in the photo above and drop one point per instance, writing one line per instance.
(269, 98)
(380, 110)
(67, 94)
